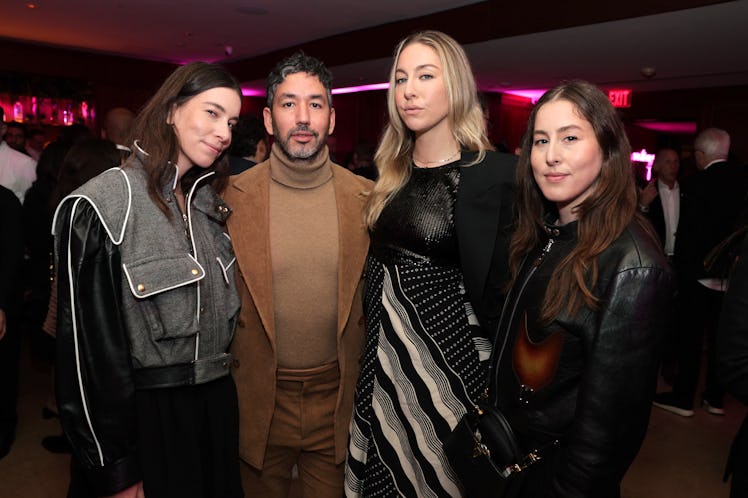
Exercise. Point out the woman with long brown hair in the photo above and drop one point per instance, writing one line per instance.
(147, 304)
(438, 218)
(578, 338)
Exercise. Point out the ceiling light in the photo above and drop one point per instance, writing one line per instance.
(648, 71)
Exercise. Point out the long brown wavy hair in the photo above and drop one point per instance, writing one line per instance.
(602, 216)
(157, 137)
(394, 154)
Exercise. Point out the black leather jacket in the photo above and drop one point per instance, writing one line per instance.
(144, 302)
(586, 380)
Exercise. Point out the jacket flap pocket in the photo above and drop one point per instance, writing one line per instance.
(155, 275)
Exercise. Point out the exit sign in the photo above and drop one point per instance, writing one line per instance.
(620, 97)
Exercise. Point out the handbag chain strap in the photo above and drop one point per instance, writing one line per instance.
(493, 361)
(493, 366)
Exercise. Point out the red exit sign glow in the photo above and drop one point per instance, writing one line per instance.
(620, 97)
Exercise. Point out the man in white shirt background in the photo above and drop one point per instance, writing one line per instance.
(660, 203)
(710, 203)
(660, 199)
(17, 170)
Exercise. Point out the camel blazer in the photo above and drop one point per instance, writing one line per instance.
(255, 363)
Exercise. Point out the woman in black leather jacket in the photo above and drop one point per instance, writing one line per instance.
(578, 337)
(147, 305)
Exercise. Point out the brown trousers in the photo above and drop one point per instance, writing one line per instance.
(301, 434)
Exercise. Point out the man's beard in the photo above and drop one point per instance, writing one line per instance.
(307, 152)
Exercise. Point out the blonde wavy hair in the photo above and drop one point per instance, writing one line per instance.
(465, 115)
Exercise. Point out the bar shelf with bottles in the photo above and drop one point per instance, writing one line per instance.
(45, 111)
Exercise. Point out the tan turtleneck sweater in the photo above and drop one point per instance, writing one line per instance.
(304, 258)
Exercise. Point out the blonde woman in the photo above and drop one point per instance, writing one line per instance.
(438, 219)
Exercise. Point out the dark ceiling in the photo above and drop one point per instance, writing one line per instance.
(687, 44)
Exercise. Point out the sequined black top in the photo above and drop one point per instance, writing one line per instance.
(424, 348)
(418, 223)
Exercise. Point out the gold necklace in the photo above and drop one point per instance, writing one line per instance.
(439, 161)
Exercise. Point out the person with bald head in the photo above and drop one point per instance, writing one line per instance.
(711, 202)
(117, 128)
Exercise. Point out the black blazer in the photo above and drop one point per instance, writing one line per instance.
(711, 201)
(656, 215)
(484, 214)
(11, 251)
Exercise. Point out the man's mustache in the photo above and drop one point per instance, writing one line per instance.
(305, 129)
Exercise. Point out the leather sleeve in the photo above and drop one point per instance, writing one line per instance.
(95, 392)
(732, 338)
(622, 342)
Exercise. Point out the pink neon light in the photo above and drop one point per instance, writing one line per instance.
(360, 88)
(685, 127)
(252, 92)
(643, 157)
(533, 95)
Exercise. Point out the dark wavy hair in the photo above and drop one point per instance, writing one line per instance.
(246, 134)
(85, 160)
(299, 62)
(157, 137)
(602, 216)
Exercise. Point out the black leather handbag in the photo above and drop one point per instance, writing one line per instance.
(483, 449)
(485, 454)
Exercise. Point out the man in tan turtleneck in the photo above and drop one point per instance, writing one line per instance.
(300, 243)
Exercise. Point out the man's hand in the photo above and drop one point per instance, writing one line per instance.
(3, 324)
(648, 194)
